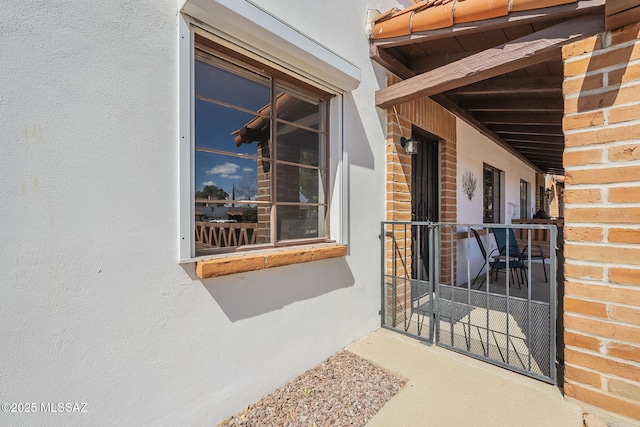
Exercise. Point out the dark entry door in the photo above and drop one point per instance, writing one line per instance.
(425, 198)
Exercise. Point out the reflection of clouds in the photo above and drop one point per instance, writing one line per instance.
(204, 184)
(248, 169)
(225, 170)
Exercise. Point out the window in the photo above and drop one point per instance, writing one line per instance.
(260, 155)
(524, 199)
(492, 188)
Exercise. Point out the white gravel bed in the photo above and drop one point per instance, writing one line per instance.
(344, 390)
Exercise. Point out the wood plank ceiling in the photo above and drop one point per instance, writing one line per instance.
(521, 108)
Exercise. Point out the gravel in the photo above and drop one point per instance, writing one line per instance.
(344, 390)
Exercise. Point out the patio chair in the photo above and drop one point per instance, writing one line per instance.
(493, 261)
(522, 255)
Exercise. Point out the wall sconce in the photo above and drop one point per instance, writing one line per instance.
(410, 145)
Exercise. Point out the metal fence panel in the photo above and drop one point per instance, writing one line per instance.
(430, 291)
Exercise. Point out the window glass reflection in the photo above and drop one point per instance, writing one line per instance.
(245, 89)
(227, 129)
(300, 222)
(295, 106)
(238, 173)
(302, 146)
(233, 179)
(299, 184)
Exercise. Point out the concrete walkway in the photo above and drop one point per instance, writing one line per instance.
(445, 388)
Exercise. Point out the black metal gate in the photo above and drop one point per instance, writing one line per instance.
(425, 198)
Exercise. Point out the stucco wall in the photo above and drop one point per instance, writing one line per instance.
(475, 149)
(95, 307)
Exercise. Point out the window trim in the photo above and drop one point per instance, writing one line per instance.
(336, 169)
(256, 30)
(186, 101)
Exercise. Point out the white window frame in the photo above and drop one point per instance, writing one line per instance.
(337, 165)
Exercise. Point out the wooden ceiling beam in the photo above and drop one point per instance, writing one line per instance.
(550, 130)
(537, 148)
(525, 51)
(505, 86)
(545, 157)
(426, 63)
(513, 104)
(512, 19)
(557, 140)
(471, 121)
(545, 165)
(619, 13)
(519, 118)
(390, 62)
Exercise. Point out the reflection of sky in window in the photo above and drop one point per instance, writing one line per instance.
(225, 171)
(227, 87)
(214, 125)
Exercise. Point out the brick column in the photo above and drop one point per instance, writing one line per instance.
(429, 116)
(602, 221)
(448, 211)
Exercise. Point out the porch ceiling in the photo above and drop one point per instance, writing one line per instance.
(501, 73)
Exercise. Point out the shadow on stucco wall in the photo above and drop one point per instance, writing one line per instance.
(247, 295)
(357, 138)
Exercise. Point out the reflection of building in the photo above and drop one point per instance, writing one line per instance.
(206, 213)
(300, 146)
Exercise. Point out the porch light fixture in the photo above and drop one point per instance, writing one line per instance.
(410, 145)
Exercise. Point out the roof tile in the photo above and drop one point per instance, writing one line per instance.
(398, 25)
(434, 14)
(477, 10)
(520, 5)
(438, 17)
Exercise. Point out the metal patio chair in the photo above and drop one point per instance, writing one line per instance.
(495, 263)
(522, 255)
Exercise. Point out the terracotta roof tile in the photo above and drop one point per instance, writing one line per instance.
(477, 10)
(438, 17)
(519, 5)
(434, 14)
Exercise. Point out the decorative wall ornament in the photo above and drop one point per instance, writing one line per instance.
(469, 184)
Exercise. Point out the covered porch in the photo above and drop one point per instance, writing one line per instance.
(553, 84)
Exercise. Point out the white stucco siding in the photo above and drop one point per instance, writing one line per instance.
(474, 150)
(95, 307)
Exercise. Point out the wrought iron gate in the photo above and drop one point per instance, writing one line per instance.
(505, 314)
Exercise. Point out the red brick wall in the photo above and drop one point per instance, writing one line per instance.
(602, 221)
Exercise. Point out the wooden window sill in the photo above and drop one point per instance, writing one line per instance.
(225, 265)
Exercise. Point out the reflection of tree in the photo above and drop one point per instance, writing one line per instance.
(309, 177)
(211, 192)
(247, 189)
(250, 215)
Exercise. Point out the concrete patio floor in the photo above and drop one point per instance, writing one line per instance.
(445, 388)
